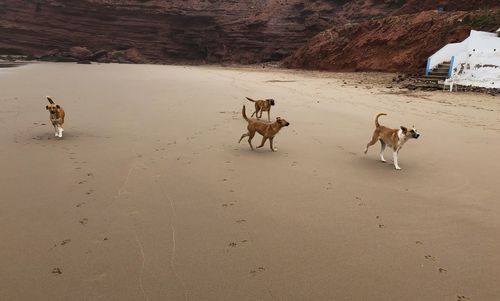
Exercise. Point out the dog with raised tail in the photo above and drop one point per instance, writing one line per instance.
(57, 115)
(394, 138)
(268, 130)
(261, 106)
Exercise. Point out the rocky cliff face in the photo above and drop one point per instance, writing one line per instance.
(382, 35)
(163, 31)
(398, 38)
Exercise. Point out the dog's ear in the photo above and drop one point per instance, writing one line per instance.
(46, 107)
(404, 129)
(57, 106)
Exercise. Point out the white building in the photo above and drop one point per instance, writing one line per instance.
(473, 62)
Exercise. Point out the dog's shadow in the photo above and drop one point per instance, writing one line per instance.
(48, 135)
(372, 164)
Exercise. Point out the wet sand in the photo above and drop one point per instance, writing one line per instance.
(148, 196)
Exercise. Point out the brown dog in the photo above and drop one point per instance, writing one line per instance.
(56, 116)
(267, 129)
(394, 138)
(261, 106)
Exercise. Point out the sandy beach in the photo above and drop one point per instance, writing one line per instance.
(149, 196)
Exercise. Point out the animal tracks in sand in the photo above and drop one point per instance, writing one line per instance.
(235, 244)
(257, 271)
(430, 257)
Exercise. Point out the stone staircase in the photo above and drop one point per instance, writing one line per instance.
(438, 74)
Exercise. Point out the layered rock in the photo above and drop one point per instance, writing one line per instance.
(163, 31)
(392, 41)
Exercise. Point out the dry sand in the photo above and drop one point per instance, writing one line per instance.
(149, 196)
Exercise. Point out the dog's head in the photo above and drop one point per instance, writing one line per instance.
(52, 108)
(282, 122)
(270, 101)
(410, 133)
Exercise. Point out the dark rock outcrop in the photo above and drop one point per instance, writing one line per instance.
(161, 31)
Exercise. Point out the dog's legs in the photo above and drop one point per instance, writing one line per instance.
(372, 142)
(269, 115)
(259, 114)
(395, 158)
(56, 131)
(263, 141)
(60, 130)
(253, 113)
(243, 136)
(250, 137)
(271, 144)
(382, 148)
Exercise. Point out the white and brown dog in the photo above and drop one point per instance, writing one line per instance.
(57, 115)
(394, 138)
(261, 106)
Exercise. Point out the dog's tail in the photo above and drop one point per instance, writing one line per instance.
(50, 99)
(376, 119)
(244, 113)
(252, 100)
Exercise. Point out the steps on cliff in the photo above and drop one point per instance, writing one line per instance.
(440, 73)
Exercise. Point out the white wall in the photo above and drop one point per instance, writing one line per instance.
(476, 60)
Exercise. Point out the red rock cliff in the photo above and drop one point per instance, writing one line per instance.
(164, 31)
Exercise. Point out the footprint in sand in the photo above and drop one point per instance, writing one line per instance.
(89, 192)
(430, 257)
(442, 271)
(56, 271)
(227, 204)
(64, 242)
(257, 271)
(418, 242)
(240, 221)
(462, 298)
(381, 226)
(80, 204)
(84, 221)
(235, 244)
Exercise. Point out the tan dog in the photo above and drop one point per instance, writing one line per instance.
(267, 129)
(394, 138)
(262, 106)
(56, 117)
